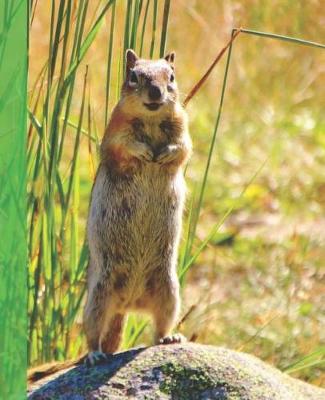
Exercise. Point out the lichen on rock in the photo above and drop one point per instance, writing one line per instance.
(179, 372)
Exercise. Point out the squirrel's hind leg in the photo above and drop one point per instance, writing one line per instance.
(102, 325)
(111, 339)
(94, 316)
(165, 314)
(108, 341)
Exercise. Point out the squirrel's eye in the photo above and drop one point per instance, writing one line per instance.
(172, 77)
(133, 77)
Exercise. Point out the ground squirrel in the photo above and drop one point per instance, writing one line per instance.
(135, 211)
(136, 206)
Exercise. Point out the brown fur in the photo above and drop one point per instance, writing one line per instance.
(136, 206)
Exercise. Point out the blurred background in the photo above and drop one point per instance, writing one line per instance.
(253, 250)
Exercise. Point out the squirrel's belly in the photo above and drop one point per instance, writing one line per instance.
(136, 222)
(133, 232)
(157, 210)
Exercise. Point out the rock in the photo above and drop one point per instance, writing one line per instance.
(180, 371)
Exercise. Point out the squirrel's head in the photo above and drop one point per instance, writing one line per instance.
(150, 86)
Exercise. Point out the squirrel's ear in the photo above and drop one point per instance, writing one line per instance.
(131, 59)
(170, 58)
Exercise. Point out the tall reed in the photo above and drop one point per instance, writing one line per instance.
(56, 139)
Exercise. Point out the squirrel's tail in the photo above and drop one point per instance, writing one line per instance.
(42, 371)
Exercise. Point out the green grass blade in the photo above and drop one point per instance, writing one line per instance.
(127, 25)
(317, 357)
(135, 23)
(55, 48)
(109, 61)
(284, 38)
(76, 147)
(164, 29)
(211, 149)
(154, 27)
(144, 25)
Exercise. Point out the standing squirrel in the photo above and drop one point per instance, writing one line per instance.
(135, 213)
(136, 207)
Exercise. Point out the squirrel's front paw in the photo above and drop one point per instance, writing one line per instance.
(168, 154)
(143, 152)
(146, 154)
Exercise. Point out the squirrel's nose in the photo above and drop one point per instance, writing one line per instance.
(154, 92)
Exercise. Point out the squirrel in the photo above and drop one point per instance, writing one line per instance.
(135, 213)
(136, 206)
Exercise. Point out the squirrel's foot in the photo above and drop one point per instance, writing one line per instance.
(95, 358)
(171, 339)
